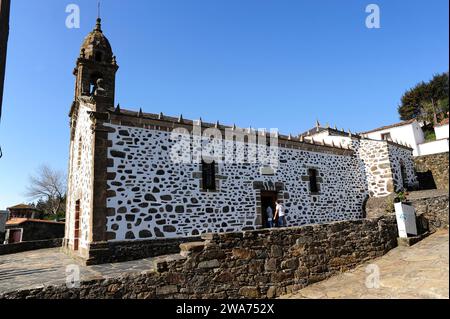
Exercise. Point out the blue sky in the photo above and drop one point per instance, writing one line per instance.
(259, 63)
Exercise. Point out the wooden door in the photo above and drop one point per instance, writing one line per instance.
(15, 236)
(76, 240)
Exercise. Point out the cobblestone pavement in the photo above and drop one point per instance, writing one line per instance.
(420, 271)
(48, 267)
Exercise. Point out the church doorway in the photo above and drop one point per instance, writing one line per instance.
(268, 199)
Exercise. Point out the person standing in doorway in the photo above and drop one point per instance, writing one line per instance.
(269, 216)
(280, 213)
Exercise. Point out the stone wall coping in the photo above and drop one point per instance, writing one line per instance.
(432, 155)
(399, 145)
(138, 241)
(251, 233)
(428, 197)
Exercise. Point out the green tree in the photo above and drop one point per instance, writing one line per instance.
(426, 100)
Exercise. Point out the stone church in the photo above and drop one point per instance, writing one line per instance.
(128, 199)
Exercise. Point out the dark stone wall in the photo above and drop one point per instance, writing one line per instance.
(255, 264)
(432, 171)
(432, 208)
(29, 245)
(33, 231)
(119, 251)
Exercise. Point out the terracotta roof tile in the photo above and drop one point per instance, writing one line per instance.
(443, 122)
(390, 126)
(22, 206)
(18, 221)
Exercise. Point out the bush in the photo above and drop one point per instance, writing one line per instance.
(429, 136)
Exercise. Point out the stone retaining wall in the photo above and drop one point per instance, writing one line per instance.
(432, 171)
(29, 245)
(253, 264)
(434, 209)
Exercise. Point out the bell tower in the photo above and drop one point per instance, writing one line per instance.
(96, 69)
(86, 211)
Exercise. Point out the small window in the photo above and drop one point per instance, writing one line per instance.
(313, 186)
(404, 175)
(209, 176)
(386, 137)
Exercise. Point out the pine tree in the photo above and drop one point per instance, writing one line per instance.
(426, 100)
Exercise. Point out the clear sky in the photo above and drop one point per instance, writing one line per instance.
(261, 63)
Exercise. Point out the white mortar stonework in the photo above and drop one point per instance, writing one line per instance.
(81, 178)
(397, 157)
(156, 198)
(374, 156)
(379, 160)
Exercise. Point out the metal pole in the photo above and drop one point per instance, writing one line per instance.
(4, 33)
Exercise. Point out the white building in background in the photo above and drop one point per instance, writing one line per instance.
(441, 131)
(411, 133)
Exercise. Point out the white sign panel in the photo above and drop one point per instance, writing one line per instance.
(267, 170)
(406, 220)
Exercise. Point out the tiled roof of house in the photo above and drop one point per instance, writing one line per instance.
(22, 206)
(18, 221)
(391, 126)
(443, 122)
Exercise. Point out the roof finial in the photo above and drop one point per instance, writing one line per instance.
(98, 26)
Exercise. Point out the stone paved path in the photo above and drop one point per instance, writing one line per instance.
(48, 267)
(420, 271)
